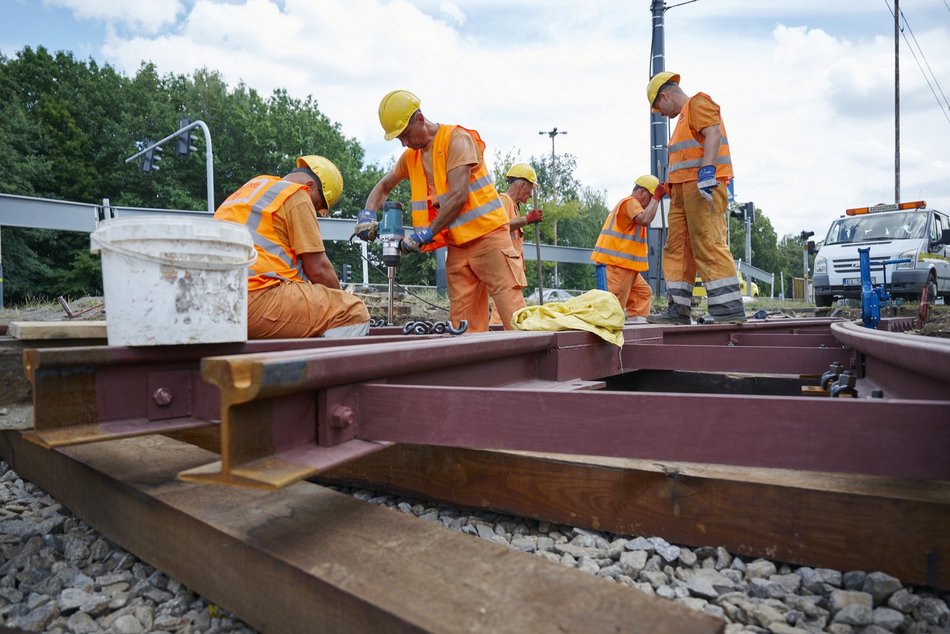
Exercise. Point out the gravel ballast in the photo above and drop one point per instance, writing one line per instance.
(59, 575)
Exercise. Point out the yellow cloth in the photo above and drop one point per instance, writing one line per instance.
(595, 311)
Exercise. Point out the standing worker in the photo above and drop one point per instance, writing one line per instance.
(622, 246)
(292, 289)
(699, 171)
(522, 180)
(454, 204)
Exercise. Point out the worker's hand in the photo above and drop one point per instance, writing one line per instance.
(533, 216)
(706, 181)
(414, 241)
(366, 225)
(660, 192)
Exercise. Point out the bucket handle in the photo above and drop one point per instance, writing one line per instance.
(207, 266)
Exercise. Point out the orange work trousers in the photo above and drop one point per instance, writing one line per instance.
(488, 265)
(697, 242)
(631, 289)
(301, 309)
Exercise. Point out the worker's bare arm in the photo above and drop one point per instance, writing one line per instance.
(319, 270)
(382, 190)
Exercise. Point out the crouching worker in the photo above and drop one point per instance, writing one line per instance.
(292, 289)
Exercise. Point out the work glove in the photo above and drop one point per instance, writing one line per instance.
(414, 241)
(660, 192)
(707, 181)
(533, 216)
(366, 225)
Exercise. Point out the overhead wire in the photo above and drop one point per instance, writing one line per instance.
(943, 111)
(914, 37)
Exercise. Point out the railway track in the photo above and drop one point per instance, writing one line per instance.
(707, 434)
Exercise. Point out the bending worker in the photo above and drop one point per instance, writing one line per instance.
(699, 170)
(622, 246)
(454, 204)
(522, 180)
(293, 290)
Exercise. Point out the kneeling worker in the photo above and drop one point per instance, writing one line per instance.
(622, 246)
(293, 290)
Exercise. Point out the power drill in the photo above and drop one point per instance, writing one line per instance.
(390, 233)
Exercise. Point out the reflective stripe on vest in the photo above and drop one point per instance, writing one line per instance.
(254, 205)
(686, 150)
(481, 213)
(619, 248)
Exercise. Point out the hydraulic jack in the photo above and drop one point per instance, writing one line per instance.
(873, 298)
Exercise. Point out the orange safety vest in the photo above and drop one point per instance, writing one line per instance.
(482, 212)
(686, 150)
(623, 248)
(517, 235)
(254, 205)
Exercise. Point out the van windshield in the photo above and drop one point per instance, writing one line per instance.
(878, 227)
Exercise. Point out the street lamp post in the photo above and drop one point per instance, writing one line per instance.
(553, 133)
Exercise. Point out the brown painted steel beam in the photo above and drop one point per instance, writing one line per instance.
(307, 559)
(896, 438)
(277, 427)
(839, 521)
(102, 392)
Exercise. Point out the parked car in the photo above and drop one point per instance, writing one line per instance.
(550, 295)
(699, 291)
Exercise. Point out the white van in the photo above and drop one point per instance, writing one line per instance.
(905, 230)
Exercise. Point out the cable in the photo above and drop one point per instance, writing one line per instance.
(927, 79)
(904, 17)
(397, 284)
(946, 5)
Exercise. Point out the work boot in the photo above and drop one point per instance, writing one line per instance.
(737, 317)
(674, 314)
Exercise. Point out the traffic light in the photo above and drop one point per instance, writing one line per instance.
(186, 139)
(150, 160)
(346, 274)
(804, 235)
(748, 211)
(812, 249)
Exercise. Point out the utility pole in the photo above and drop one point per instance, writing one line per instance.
(553, 133)
(659, 125)
(897, 104)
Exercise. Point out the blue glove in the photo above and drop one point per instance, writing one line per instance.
(413, 242)
(366, 225)
(706, 177)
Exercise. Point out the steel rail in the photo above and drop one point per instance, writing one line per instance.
(289, 410)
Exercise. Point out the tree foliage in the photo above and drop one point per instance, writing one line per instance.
(67, 126)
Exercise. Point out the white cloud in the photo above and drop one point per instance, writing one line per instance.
(806, 92)
(147, 16)
(452, 11)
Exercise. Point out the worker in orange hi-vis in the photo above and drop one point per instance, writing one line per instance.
(293, 290)
(454, 204)
(622, 246)
(700, 168)
(521, 182)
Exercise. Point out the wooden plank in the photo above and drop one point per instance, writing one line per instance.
(57, 329)
(840, 521)
(307, 559)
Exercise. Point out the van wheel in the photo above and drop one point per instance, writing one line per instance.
(823, 301)
(931, 290)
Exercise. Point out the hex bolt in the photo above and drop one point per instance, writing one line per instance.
(162, 397)
(877, 393)
(341, 417)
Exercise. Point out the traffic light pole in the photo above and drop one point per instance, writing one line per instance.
(209, 155)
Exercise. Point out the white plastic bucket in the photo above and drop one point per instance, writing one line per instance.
(170, 280)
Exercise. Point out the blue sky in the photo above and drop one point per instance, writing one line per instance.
(806, 86)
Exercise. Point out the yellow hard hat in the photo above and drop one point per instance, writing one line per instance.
(331, 181)
(395, 110)
(648, 182)
(525, 171)
(657, 82)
